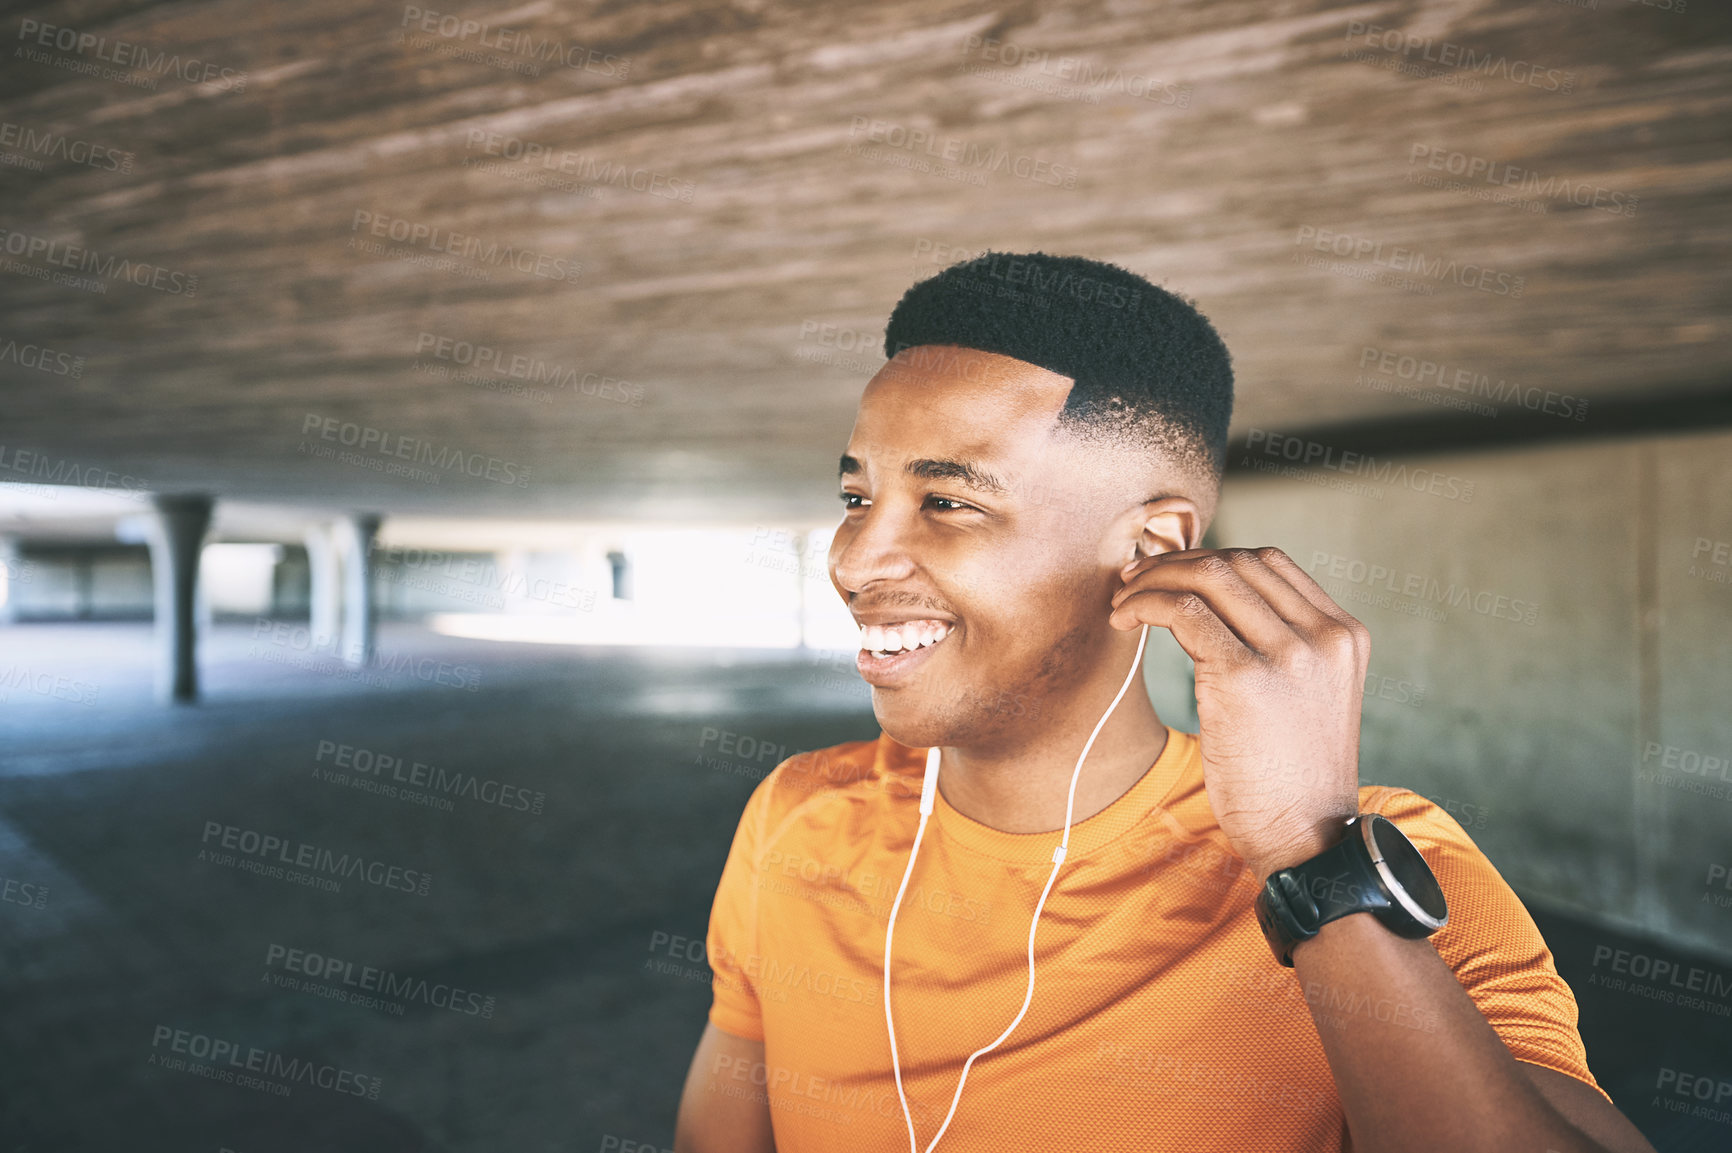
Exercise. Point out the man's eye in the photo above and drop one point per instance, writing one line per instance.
(953, 505)
(848, 499)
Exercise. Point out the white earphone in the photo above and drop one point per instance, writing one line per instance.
(928, 797)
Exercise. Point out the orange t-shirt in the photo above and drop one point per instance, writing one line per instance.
(1160, 1020)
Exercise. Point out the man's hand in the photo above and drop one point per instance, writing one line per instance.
(1280, 676)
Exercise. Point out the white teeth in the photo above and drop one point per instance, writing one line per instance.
(904, 636)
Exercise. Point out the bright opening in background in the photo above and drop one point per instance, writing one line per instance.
(765, 587)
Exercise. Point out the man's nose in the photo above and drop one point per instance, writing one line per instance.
(876, 549)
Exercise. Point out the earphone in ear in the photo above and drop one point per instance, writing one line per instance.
(928, 799)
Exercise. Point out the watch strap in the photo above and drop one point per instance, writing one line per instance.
(1338, 881)
(1296, 902)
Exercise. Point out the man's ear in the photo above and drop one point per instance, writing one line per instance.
(1169, 524)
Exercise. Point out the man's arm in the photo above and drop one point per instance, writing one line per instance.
(723, 1109)
(1456, 1087)
(1584, 1108)
(1280, 674)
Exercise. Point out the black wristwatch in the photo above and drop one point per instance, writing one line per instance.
(1375, 869)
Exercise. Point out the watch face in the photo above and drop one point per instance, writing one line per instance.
(1408, 868)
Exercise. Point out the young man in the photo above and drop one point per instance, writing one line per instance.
(1025, 489)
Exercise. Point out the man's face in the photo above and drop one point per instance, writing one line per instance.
(977, 546)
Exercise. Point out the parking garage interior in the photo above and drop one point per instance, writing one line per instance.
(420, 446)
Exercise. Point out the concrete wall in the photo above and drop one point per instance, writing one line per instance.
(1552, 656)
(80, 582)
(113, 582)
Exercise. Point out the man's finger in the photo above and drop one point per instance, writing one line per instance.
(1238, 605)
(1303, 583)
(1260, 568)
(1193, 623)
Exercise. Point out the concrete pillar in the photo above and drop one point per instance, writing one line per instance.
(325, 587)
(355, 534)
(11, 572)
(175, 541)
(800, 540)
(514, 579)
(621, 565)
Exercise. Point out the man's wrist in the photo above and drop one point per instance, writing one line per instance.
(1372, 868)
(1325, 836)
(1353, 932)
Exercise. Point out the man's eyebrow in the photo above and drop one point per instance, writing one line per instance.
(966, 472)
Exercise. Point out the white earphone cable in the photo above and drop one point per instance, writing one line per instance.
(928, 794)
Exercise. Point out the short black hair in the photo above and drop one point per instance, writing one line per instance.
(1146, 363)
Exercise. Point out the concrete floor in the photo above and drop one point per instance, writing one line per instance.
(552, 916)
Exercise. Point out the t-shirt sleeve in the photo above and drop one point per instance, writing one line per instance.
(1491, 943)
(733, 935)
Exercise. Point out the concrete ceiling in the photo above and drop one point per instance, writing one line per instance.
(1204, 145)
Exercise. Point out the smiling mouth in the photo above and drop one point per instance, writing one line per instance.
(903, 636)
